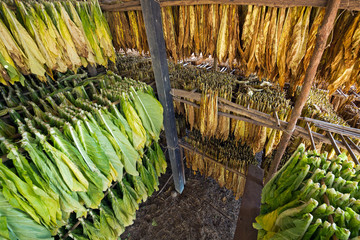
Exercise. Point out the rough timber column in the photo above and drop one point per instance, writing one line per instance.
(322, 36)
(155, 36)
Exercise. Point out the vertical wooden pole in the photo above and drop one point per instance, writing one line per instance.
(155, 36)
(321, 39)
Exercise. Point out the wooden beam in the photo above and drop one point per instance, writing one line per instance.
(250, 205)
(321, 39)
(155, 36)
(121, 6)
(322, 123)
(353, 5)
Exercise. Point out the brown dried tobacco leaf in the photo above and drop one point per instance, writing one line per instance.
(284, 45)
(223, 38)
(135, 30)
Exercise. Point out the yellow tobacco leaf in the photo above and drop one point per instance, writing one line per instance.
(222, 41)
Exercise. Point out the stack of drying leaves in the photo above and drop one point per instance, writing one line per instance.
(229, 153)
(311, 197)
(137, 68)
(264, 98)
(128, 30)
(14, 95)
(212, 85)
(318, 107)
(340, 65)
(249, 92)
(207, 29)
(347, 108)
(52, 36)
(275, 43)
(74, 148)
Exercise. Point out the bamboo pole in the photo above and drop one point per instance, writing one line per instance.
(321, 39)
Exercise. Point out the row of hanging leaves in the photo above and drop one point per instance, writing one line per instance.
(276, 43)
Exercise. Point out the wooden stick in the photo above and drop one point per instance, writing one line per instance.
(336, 148)
(336, 130)
(349, 150)
(321, 39)
(327, 124)
(353, 144)
(311, 136)
(135, 4)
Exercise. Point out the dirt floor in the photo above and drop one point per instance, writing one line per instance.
(202, 211)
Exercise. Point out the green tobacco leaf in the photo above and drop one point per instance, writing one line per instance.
(19, 223)
(94, 151)
(160, 157)
(150, 112)
(138, 131)
(66, 147)
(28, 192)
(107, 147)
(68, 170)
(147, 179)
(296, 228)
(36, 59)
(4, 231)
(130, 155)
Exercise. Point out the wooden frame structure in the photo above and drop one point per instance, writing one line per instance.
(151, 12)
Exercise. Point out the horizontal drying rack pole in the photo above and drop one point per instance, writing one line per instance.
(263, 119)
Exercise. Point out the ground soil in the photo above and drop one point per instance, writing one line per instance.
(202, 211)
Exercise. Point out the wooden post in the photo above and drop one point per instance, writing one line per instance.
(250, 205)
(155, 36)
(335, 146)
(321, 39)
